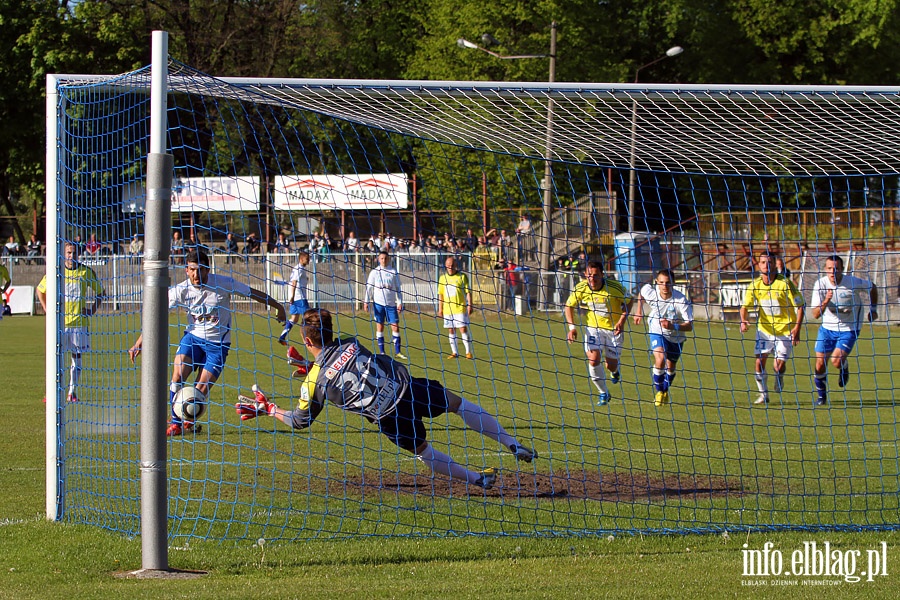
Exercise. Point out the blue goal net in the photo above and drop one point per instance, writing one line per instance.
(669, 309)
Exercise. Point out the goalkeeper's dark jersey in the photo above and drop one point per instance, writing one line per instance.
(349, 376)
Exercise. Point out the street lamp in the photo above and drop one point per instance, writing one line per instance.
(546, 184)
(673, 51)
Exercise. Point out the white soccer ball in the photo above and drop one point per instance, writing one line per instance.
(189, 403)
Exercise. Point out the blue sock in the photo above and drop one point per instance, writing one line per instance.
(659, 380)
(396, 344)
(670, 378)
(380, 340)
(821, 386)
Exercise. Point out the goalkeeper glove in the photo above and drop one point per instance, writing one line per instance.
(250, 408)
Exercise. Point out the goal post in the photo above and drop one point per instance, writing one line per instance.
(263, 171)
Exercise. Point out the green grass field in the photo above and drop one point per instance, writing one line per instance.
(785, 465)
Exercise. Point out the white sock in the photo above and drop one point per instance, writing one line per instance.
(597, 373)
(74, 374)
(483, 422)
(453, 347)
(466, 338)
(762, 383)
(439, 462)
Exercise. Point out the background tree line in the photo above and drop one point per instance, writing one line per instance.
(725, 41)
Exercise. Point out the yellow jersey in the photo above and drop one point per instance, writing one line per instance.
(453, 290)
(778, 303)
(604, 306)
(76, 283)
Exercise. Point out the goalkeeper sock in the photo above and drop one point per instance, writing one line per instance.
(670, 378)
(659, 380)
(439, 462)
(396, 344)
(379, 337)
(597, 373)
(74, 374)
(483, 422)
(466, 338)
(761, 382)
(821, 382)
(173, 389)
(453, 347)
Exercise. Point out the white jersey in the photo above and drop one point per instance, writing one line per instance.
(300, 275)
(208, 306)
(675, 308)
(847, 308)
(383, 286)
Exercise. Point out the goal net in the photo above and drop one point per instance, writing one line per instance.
(708, 177)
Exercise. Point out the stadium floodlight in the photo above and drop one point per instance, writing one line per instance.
(673, 51)
(547, 182)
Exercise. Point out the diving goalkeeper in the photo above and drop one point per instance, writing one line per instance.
(381, 390)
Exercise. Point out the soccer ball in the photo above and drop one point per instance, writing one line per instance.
(189, 403)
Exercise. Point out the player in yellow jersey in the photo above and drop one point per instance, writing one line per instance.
(455, 306)
(607, 305)
(781, 308)
(80, 283)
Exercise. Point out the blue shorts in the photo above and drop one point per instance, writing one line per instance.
(672, 349)
(385, 313)
(203, 354)
(828, 340)
(298, 307)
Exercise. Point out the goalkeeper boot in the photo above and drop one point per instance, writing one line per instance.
(487, 479)
(522, 453)
(603, 399)
(844, 375)
(294, 357)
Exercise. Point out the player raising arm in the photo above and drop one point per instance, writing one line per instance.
(380, 389)
(207, 340)
(781, 309)
(670, 316)
(838, 300)
(607, 305)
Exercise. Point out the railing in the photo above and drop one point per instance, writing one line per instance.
(800, 225)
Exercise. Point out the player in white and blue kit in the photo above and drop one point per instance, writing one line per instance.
(841, 302)
(383, 291)
(297, 297)
(207, 339)
(670, 316)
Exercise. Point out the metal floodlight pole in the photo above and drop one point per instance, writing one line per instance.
(547, 216)
(547, 182)
(632, 176)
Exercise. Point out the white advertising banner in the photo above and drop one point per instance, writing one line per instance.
(20, 299)
(341, 192)
(201, 194)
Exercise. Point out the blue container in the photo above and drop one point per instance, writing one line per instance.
(638, 257)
